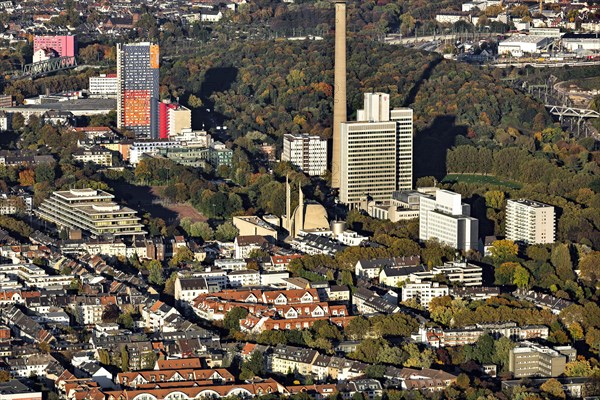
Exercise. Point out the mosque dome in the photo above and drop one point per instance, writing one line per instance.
(311, 216)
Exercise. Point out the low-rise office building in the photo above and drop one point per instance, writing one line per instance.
(529, 359)
(93, 211)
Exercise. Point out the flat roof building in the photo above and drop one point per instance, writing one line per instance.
(530, 359)
(307, 152)
(137, 96)
(376, 152)
(446, 218)
(529, 221)
(92, 211)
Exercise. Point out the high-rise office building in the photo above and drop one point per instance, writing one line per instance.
(376, 152)
(446, 218)
(307, 152)
(137, 97)
(529, 221)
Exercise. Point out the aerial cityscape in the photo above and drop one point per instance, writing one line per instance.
(302, 199)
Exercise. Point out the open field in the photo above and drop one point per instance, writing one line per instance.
(186, 211)
(480, 179)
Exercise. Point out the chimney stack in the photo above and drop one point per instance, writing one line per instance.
(339, 91)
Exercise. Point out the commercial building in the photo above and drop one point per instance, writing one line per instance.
(529, 221)
(530, 359)
(173, 118)
(137, 97)
(376, 152)
(519, 45)
(63, 45)
(92, 211)
(447, 219)
(105, 85)
(581, 41)
(307, 152)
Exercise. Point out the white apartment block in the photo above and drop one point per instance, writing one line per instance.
(447, 219)
(376, 152)
(529, 221)
(243, 278)
(307, 152)
(456, 271)
(423, 292)
(105, 85)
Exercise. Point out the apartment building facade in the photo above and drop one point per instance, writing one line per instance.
(307, 152)
(530, 222)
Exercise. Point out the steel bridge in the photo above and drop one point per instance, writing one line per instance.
(44, 67)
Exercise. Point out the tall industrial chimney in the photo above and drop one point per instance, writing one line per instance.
(339, 91)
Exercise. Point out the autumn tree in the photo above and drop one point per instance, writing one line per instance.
(233, 317)
(503, 251)
(561, 259)
(27, 177)
(554, 388)
(521, 277)
(155, 270)
(226, 232)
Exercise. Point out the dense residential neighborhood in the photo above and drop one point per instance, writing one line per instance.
(345, 200)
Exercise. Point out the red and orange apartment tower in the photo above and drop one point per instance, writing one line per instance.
(137, 99)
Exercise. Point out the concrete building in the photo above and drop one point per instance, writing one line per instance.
(530, 359)
(529, 221)
(173, 119)
(15, 390)
(459, 272)
(339, 92)
(581, 41)
(92, 211)
(376, 152)
(137, 97)
(519, 45)
(63, 45)
(96, 154)
(423, 292)
(446, 218)
(307, 152)
(105, 85)
(253, 225)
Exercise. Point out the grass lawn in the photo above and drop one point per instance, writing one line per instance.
(480, 179)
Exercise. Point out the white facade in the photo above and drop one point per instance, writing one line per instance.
(579, 42)
(244, 278)
(4, 121)
(104, 85)
(307, 152)
(446, 218)
(351, 238)
(423, 292)
(150, 147)
(376, 152)
(519, 45)
(529, 221)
